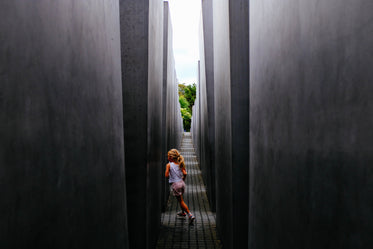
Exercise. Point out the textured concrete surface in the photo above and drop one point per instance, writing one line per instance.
(208, 61)
(142, 72)
(311, 124)
(172, 126)
(196, 117)
(176, 232)
(61, 126)
(204, 148)
(226, 47)
(154, 131)
(167, 44)
(231, 76)
(195, 122)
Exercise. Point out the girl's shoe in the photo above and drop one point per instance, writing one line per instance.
(181, 214)
(191, 218)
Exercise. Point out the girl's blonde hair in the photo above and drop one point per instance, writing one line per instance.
(176, 157)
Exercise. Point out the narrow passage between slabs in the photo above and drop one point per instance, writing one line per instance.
(176, 232)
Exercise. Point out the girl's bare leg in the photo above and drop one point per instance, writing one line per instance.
(182, 204)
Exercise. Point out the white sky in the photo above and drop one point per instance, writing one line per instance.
(185, 17)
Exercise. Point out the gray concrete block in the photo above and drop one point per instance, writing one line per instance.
(208, 55)
(171, 116)
(205, 94)
(196, 117)
(165, 108)
(311, 106)
(142, 73)
(61, 149)
(231, 88)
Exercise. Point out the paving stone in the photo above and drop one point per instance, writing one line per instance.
(176, 232)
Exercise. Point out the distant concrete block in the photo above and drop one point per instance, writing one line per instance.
(206, 100)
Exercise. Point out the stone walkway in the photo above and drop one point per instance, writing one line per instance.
(176, 232)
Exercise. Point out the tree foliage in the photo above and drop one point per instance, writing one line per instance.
(190, 94)
(183, 102)
(187, 96)
(182, 89)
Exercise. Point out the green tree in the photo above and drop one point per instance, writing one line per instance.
(183, 102)
(187, 118)
(190, 93)
(187, 96)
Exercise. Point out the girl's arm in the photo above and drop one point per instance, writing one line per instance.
(167, 173)
(184, 173)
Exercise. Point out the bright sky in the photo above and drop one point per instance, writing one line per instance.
(185, 17)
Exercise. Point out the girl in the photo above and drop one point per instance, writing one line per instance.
(176, 172)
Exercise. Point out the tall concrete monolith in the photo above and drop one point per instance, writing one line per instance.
(62, 170)
(208, 48)
(171, 116)
(142, 75)
(231, 108)
(311, 118)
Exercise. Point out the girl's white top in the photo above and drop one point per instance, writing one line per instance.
(176, 175)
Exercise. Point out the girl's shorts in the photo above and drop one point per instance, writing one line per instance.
(178, 188)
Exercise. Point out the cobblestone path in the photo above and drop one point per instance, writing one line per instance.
(176, 232)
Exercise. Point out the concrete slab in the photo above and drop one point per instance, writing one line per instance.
(311, 105)
(61, 148)
(172, 129)
(142, 73)
(231, 88)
